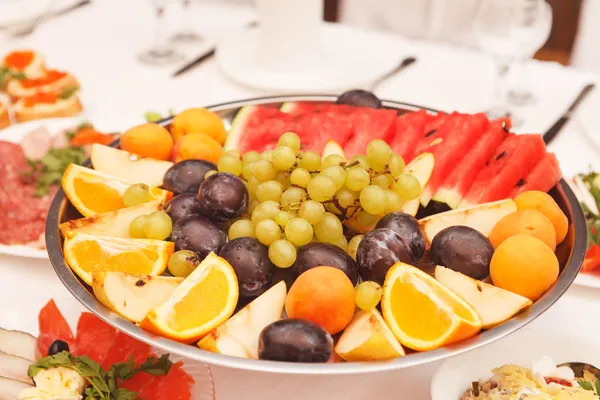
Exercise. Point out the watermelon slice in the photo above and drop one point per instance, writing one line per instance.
(410, 128)
(458, 182)
(301, 107)
(449, 144)
(369, 124)
(94, 337)
(511, 161)
(256, 128)
(52, 326)
(316, 129)
(542, 177)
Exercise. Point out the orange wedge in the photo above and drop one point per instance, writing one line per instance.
(87, 253)
(93, 192)
(422, 313)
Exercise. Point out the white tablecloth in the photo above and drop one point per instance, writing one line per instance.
(99, 44)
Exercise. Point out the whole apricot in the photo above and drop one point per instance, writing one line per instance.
(524, 265)
(525, 222)
(198, 120)
(544, 203)
(148, 140)
(197, 146)
(323, 295)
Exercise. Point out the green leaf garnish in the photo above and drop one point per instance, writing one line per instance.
(152, 116)
(586, 385)
(51, 167)
(68, 92)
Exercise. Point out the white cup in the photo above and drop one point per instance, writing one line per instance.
(289, 34)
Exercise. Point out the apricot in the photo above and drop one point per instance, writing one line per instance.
(197, 146)
(524, 265)
(526, 222)
(148, 140)
(323, 295)
(198, 120)
(544, 203)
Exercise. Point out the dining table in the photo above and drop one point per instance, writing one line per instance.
(99, 44)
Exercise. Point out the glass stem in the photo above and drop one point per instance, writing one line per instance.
(161, 45)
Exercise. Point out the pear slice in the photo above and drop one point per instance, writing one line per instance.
(493, 304)
(333, 147)
(238, 336)
(482, 217)
(132, 295)
(368, 338)
(127, 166)
(10, 388)
(113, 223)
(18, 344)
(13, 367)
(421, 168)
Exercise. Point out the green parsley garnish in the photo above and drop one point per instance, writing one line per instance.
(153, 116)
(592, 182)
(50, 168)
(6, 73)
(68, 92)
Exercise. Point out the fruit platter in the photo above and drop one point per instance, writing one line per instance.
(317, 234)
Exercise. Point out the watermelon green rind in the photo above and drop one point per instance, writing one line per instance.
(542, 177)
(237, 127)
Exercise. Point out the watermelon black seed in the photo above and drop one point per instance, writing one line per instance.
(499, 156)
(431, 132)
(521, 182)
(505, 127)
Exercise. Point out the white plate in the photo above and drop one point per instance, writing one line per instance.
(455, 375)
(350, 58)
(588, 280)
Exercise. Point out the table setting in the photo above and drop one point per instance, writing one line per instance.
(92, 90)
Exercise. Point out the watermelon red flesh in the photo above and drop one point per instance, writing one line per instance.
(369, 124)
(52, 326)
(315, 129)
(124, 347)
(458, 182)
(544, 175)
(298, 108)
(410, 128)
(257, 128)
(94, 337)
(449, 144)
(511, 161)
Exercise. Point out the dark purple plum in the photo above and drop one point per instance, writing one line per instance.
(223, 197)
(463, 249)
(378, 251)
(198, 234)
(187, 176)
(359, 98)
(409, 229)
(250, 261)
(181, 206)
(325, 254)
(295, 340)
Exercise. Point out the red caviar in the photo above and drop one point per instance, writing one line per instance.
(559, 381)
(40, 98)
(50, 77)
(18, 59)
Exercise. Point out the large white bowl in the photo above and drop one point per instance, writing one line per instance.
(455, 374)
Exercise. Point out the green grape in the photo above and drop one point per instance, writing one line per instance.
(209, 173)
(283, 177)
(267, 231)
(353, 245)
(264, 170)
(299, 232)
(266, 210)
(342, 243)
(241, 228)
(345, 198)
(321, 188)
(158, 226)
(312, 211)
(368, 295)
(310, 161)
(366, 219)
(252, 205)
(283, 158)
(230, 163)
(332, 159)
(136, 194)
(251, 157)
(357, 178)
(384, 181)
(373, 200)
(300, 177)
(267, 155)
(282, 253)
(248, 171)
(329, 229)
(362, 159)
(337, 174)
(253, 186)
(269, 190)
(234, 153)
(283, 217)
(378, 152)
(292, 195)
(182, 263)
(291, 140)
(396, 165)
(394, 201)
(136, 227)
(407, 186)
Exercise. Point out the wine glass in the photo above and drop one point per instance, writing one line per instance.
(187, 33)
(161, 52)
(509, 30)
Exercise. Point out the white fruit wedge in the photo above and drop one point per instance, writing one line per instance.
(482, 217)
(238, 337)
(10, 388)
(113, 223)
(127, 166)
(493, 304)
(333, 147)
(13, 367)
(421, 168)
(132, 295)
(368, 338)
(18, 344)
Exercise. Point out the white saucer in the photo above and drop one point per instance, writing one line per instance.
(350, 58)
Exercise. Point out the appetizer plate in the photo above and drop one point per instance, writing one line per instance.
(570, 255)
(455, 375)
(588, 280)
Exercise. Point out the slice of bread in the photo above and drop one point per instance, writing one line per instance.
(46, 105)
(53, 81)
(29, 62)
(4, 116)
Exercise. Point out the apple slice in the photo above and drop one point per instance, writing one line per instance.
(482, 217)
(13, 367)
(127, 166)
(421, 168)
(132, 295)
(113, 223)
(493, 304)
(238, 336)
(10, 388)
(368, 338)
(18, 344)
(333, 147)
